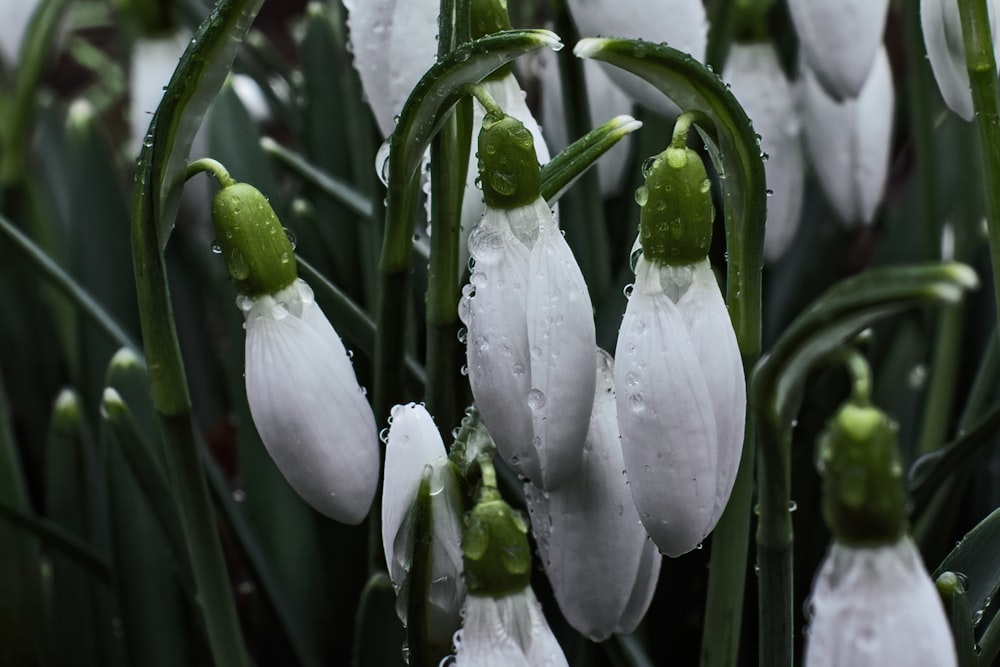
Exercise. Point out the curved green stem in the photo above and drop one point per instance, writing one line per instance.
(213, 167)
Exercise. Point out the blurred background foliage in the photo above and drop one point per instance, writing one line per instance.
(93, 570)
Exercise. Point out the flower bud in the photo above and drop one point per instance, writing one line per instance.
(508, 165)
(495, 547)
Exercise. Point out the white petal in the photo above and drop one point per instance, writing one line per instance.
(666, 418)
(839, 39)
(875, 607)
(590, 525)
(497, 345)
(647, 575)
(506, 632)
(508, 94)
(848, 143)
(310, 412)
(714, 340)
(757, 80)
(680, 24)
(942, 30)
(561, 342)
(394, 44)
(605, 101)
(413, 444)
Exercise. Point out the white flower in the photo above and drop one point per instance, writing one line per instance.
(153, 63)
(840, 40)
(305, 400)
(590, 525)
(394, 44)
(759, 83)
(848, 143)
(605, 101)
(531, 341)
(681, 399)
(508, 631)
(942, 30)
(414, 446)
(680, 24)
(509, 96)
(877, 606)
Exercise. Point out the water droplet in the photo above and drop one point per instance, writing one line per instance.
(627, 291)
(518, 369)
(641, 195)
(239, 495)
(536, 399)
(648, 164)
(792, 505)
(216, 246)
(636, 403)
(706, 185)
(463, 335)
(382, 162)
(464, 370)
(383, 435)
(291, 237)
(769, 192)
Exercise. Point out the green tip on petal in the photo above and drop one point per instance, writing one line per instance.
(508, 164)
(258, 253)
(864, 502)
(495, 548)
(677, 212)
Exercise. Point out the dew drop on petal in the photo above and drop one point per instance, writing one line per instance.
(216, 246)
(536, 399)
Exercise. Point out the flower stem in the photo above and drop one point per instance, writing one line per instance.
(213, 167)
(982, 68)
(483, 96)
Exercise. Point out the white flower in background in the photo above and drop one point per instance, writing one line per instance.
(680, 24)
(605, 100)
(877, 606)
(14, 19)
(508, 631)
(394, 43)
(942, 30)
(414, 448)
(305, 400)
(154, 60)
(530, 343)
(840, 40)
(760, 84)
(681, 402)
(848, 142)
(590, 525)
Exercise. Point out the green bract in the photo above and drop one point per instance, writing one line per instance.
(863, 499)
(495, 548)
(508, 164)
(488, 17)
(676, 221)
(258, 253)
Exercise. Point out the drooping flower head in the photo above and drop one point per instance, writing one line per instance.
(840, 40)
(531, 339)
(872, 602)
(310, 412)
(590, 525)
(503, 623)
(679, 380)
(421, 486)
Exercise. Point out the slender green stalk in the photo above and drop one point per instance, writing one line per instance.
(982, 68)
(592, 247)
(68, 286)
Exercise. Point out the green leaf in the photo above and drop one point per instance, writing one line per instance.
(851, 305)
(975, 559)
(951, 587)
(60, 540)
(565, 168)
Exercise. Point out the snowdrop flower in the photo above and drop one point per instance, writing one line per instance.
(154, 60)
(872, 602)
(942, 30)
(840, 40)
(681, 24)
(304, 398)
(604, 99)
(590, 525)
(848, 142)
(760, 84)
(530, 344)
(679, 380)
(415, 453)
(503, 624)
(14, 19)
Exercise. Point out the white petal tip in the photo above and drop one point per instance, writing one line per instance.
(625, 124)
(588, 46)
